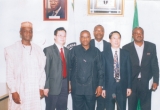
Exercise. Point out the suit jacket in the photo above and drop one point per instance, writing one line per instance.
(106, 45)
(149, 64)
(61, 13)
(125, 71)
(53, 69)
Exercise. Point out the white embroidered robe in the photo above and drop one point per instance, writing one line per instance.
(25, 75)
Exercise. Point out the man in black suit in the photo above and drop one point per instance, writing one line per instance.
(98, 41)
(56, 9)
(144, 68)
(117, 74)
(86, 73)
(56, 86)
(102, 45)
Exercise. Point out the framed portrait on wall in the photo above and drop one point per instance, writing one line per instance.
(106, 7)
(55, 10)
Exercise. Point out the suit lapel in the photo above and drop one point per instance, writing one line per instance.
(144, 53)
(65, 53)
(108, 54)
(134, 53)
(110, 57)
(104, 45)
(121, 58)
(56, 51)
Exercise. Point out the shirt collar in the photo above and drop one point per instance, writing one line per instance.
(113, 50)
(85, 49)
(58, 46)
(98, 42)
(138, 45)
(57, 10)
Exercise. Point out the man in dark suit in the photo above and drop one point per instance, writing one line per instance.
(144, 67)
(117, 74)
(86, 73)
(98, 42)
(102, 45)
(56, 86)
(56, 9)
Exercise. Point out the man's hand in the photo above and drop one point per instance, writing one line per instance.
(154, 86)
(46, 92)
(98, 91)
(69, 86)
(16, 98)
(129, 91)
(41, 93)
(103, 93)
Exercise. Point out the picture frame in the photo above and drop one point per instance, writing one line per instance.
(54, 10)
(106, 7)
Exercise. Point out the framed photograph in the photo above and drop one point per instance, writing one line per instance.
(55, 10)
(106, 7)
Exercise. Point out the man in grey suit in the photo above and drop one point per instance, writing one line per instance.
(56, 86)
(144, 68)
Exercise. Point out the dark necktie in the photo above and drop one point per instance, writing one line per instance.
(53, 13)
(116, 66)
(64, 69)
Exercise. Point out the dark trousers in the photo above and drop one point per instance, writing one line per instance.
(140, 94)
(83, 102)
(100, 103)
(58, 102)
(120, 98)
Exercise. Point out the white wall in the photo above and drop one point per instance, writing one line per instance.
(13, 12)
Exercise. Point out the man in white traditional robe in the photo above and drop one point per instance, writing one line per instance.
(25, 73)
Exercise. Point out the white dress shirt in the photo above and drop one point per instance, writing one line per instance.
(139, 50)
(59, 48)
(99, 45)
(56, 12)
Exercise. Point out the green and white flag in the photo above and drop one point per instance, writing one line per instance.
(135, 19)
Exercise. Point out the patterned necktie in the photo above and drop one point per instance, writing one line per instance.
(64, 69)
(116, 66)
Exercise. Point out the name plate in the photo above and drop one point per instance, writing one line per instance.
(54, 17)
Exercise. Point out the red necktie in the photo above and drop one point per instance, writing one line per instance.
(64, 69)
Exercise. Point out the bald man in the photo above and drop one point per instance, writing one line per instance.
(102, 45)
(25, 73)
(86, 73)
